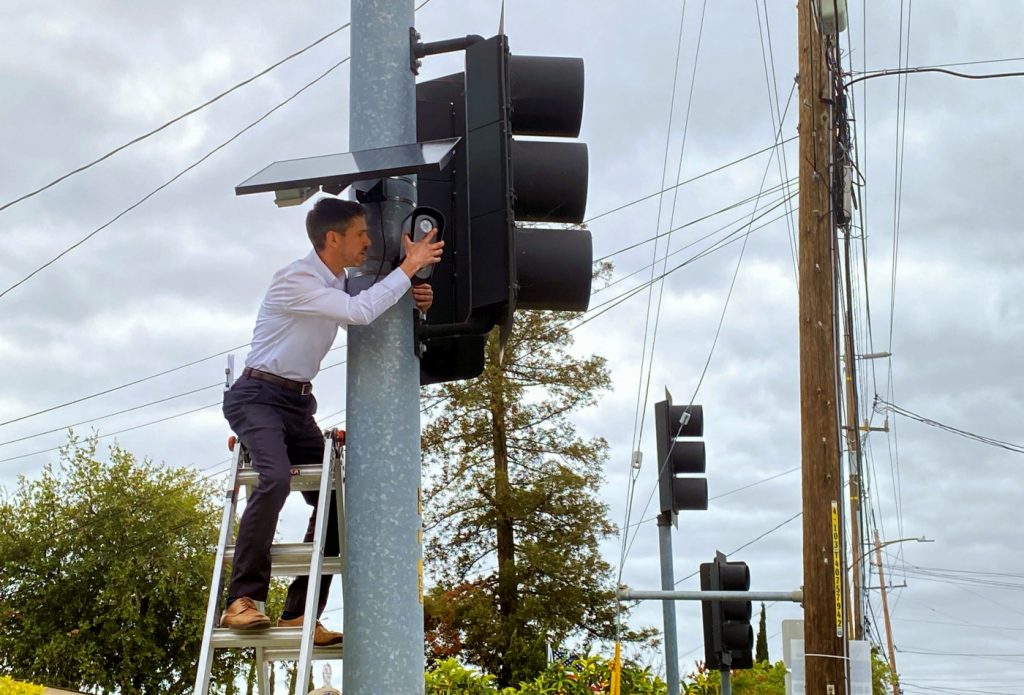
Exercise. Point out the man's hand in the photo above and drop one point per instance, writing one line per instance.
(421, 253)
(423, 296)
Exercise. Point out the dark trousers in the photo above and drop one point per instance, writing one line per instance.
(277, 427)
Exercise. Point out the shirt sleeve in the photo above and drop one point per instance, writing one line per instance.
(302, 292)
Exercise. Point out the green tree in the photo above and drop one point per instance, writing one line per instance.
(769, 679)
(513, 518)
(104, 573)
(763, 679)
(761, 652)
(584, 676)
(881, 674)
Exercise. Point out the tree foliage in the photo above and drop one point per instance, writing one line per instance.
(764, 679)
(769, 679)
(9, 686)
(761, 652)
(582, 676)
(513, 518)
(104, 573)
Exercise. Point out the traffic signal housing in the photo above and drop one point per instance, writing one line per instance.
(680, 456)
(492, 263)
(728, 635)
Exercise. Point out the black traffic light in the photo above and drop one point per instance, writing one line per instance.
(728, 636)
(491, 265)
(441, 113)
(678, 456)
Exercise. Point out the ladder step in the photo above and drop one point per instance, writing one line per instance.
(291, 559)
(303, 477)
(279, 643)
(319, 653)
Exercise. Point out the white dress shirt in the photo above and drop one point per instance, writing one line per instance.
(300, 314)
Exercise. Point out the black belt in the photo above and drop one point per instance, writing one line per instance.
(303, 387)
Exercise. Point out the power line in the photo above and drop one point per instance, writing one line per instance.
(725, 307)
(145, 424)
(749, 543)
(668, 241)
(727, 239)
(628, 294)
(698, 220)
(955, 624)
(174, 120)
(139, 381)
(882, 406)
(754, 484)
(689, 180)
(119, 412)
(773, 110)
(985, 655)
(122, 386)
(633, 472)
(912, 71)
(111, 434)
(167, 183)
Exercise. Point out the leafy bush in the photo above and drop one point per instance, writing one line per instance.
(13, 687)
(449, 677)
(584, 676)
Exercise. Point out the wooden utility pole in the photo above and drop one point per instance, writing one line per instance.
(853, 444)
(853, 447)
(885, 613)
(824, 631)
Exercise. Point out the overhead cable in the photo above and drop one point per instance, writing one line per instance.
(122, 386)
(174, 120)
(171, 180)
(689, 180)
(119, 412)
(913, 71)
(882, 406)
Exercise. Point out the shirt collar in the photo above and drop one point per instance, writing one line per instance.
(321, 268)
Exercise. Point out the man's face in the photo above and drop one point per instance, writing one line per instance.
(350, 246)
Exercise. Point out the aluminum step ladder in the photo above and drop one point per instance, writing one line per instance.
(287, 559)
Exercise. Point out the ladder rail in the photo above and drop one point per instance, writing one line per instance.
(339, 501)
(315, 567)
(262, 671)
(205, 666)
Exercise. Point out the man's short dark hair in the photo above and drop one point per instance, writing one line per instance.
(327, 214)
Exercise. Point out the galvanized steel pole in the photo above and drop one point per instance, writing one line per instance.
(383, 563)
(668, 608)
(645, 595)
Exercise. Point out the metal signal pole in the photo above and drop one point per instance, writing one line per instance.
(822, 490)
(383, 563)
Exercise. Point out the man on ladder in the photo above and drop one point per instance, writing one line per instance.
(271, 406)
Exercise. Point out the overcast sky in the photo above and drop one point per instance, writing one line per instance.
(180, 277)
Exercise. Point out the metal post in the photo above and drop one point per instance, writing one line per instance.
(668, 608)
(383, 564)
(642, 595)
(726, 681)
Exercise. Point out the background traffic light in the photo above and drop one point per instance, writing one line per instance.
(728, 635)
(679, 454)
(492, 265)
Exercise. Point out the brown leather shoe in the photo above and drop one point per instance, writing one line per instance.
(243, 614)
(322, 637)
